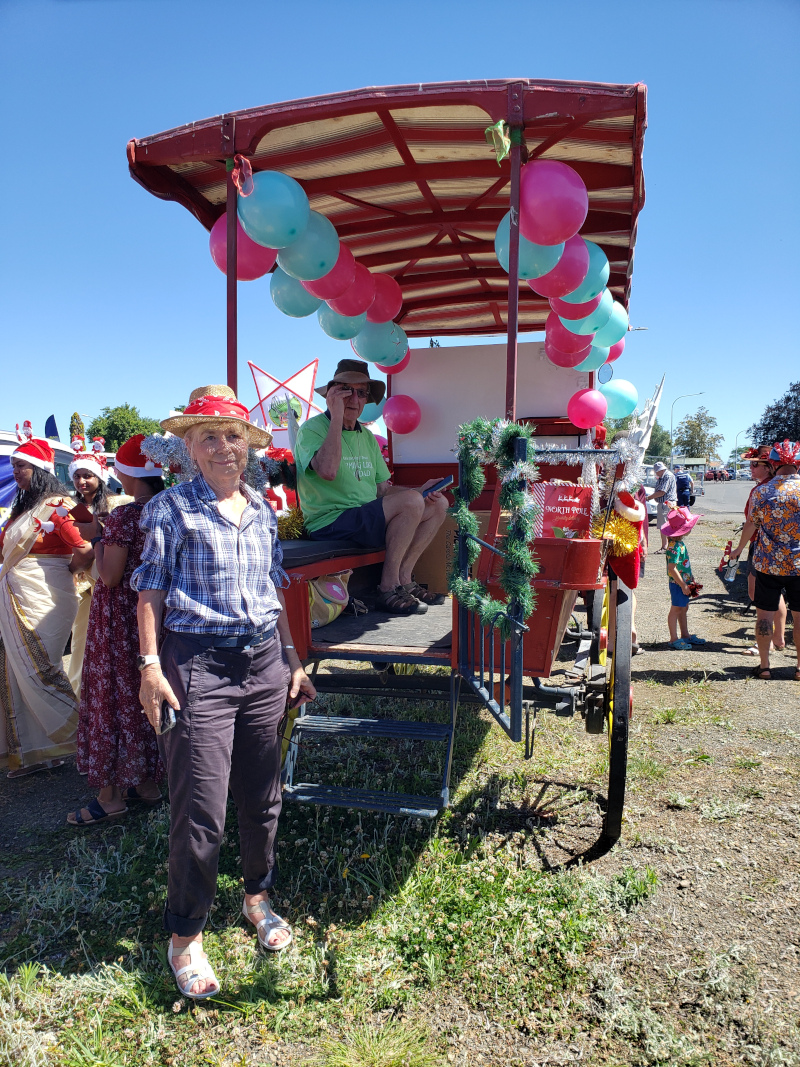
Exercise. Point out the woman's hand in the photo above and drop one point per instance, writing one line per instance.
(154, 689)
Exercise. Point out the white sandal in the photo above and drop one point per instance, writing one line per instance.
(266, 925)
(198, 969)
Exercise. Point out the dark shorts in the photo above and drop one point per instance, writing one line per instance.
(767, 595)
(365, 525)
(679, 598)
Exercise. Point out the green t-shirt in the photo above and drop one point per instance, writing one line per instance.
(361, 469)
(678, 553)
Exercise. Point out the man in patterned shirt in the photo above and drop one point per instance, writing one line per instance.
(775, 521)
(666, 496)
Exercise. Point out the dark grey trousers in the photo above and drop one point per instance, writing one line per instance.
(231, 705)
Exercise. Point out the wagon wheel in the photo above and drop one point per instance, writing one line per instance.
(597, 610)
(598, 623)
(618, 701)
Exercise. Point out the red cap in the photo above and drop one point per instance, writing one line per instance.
(38, 453)
(132, 461)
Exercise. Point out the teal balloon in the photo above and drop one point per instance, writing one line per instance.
(340, 327)
(591, 323)
(534, 260)
(596, 358)
(621, 396)
(596, 277)
(372, 412)
(289, 296)
(315, 251)
(381, 342)
(276, 212)
(616, 327)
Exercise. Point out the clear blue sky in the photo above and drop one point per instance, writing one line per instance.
(109, 295)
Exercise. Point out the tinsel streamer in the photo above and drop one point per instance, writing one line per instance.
(170, 452)
(290, 525)
(589, 477)
(255, 473)
(623, 535)
(482, 442)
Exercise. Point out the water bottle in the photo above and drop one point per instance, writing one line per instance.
(731, 570)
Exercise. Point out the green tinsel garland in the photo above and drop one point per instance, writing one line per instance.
(484, 441)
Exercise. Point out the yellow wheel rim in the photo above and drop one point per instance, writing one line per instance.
(604, 623)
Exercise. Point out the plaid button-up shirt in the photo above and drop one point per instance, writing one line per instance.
(219, 578)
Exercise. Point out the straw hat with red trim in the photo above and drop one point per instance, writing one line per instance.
(679, 522)
(38, 453)
(212, 403)
(132, 461)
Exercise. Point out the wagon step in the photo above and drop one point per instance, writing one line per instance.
(412, 804)
(330, 725)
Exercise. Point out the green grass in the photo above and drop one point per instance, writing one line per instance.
(386, 912)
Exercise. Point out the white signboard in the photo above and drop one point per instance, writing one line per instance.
(455, 385)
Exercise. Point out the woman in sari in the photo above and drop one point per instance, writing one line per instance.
(89, 475)
(41, 548)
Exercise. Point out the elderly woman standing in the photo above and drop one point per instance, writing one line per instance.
(40, 549)
(226, 666)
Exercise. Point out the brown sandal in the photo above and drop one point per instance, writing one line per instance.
(762, 673)
(398, 601)
(421, 592)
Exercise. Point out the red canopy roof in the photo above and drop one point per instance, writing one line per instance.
(412, 187)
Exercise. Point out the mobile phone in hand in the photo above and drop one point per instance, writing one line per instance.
(167, 718)
(439, 486)
(80, 513)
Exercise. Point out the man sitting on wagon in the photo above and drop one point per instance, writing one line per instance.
(346, 494)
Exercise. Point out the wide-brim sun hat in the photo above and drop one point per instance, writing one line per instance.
(785, 453)
(354, 372)
(216, 403)
(679, 522)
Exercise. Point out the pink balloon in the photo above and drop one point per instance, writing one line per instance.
(252, 260)
(574, 311)
(560, 337)
(401, 413)
(388, 299)
(357, 298)
(568, 273)
(587, 408)
(404, 362)
(565, 359)
(382, 441)
(337, 280)
(553, 202)
(616, 351)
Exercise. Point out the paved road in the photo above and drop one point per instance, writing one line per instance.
(724, 497)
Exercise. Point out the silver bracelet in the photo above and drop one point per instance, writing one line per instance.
(290, 646)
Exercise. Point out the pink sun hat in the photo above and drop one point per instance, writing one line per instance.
(679, 522)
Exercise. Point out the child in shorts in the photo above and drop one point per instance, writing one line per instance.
(682, 586)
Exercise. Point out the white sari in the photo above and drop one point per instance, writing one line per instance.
(38, 602)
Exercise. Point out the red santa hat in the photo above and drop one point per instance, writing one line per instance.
(93, 461)
(38, 453)
(132, 461)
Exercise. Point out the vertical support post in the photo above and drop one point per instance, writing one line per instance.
(515, 122)
(232, 234)
(464, 620)
(515, 611)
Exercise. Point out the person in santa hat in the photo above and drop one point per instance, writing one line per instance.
(117, 748)
(40, 548)
(89, 473)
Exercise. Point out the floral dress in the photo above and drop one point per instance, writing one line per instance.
(116, 743)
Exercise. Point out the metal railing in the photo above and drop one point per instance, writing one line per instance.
(485, 658)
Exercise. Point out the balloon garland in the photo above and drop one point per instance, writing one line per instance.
(479, 442)
(585, 322)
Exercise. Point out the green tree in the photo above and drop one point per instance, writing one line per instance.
(660, 443)
(76, 427)
(780, 420)
(695, 435)
(117, 424)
